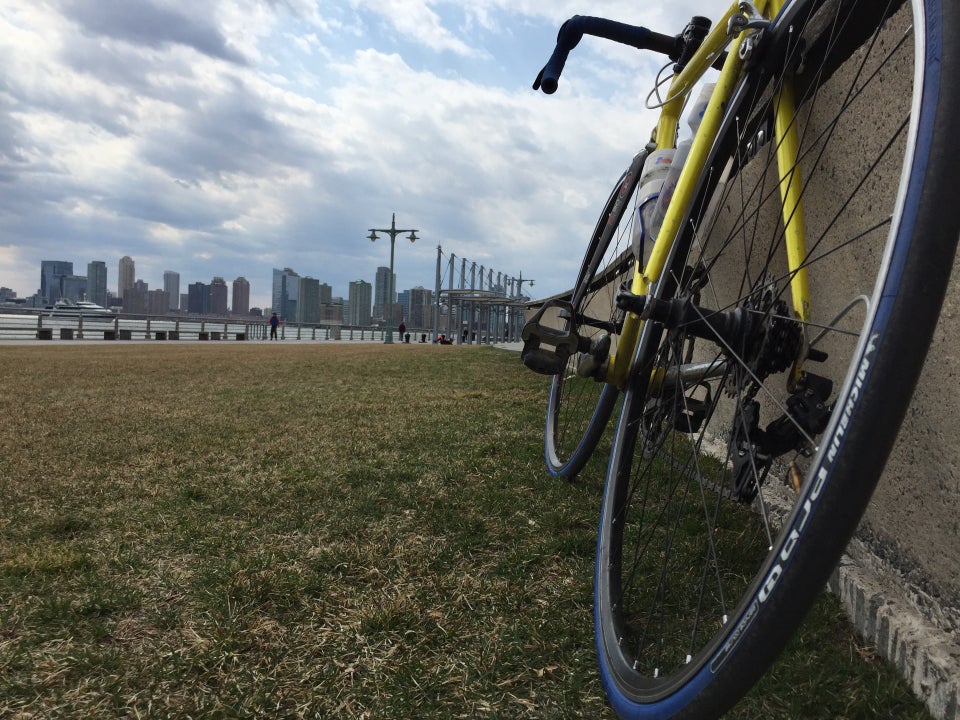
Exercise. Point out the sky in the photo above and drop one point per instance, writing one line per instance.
(231, 137)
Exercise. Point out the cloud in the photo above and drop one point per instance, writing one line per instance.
(147, 24)
(416, 20)
(229, 137)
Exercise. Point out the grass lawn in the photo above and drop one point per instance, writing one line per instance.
(330, 531)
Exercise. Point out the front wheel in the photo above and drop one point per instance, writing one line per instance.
(579, 405)
(751, 436)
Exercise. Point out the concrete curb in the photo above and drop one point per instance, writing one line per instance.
(926, 656)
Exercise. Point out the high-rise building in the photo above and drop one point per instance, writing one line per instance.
(383, 292)
(97, 282)
(403, 302)
(240, 305)
(158, 302)
(50, 273)
(326, 294)
(73, 287)
(218, 297)
(360, 299)
(198, 298)
(421, 308)
(309, 301)
(171, 285)
(286, 291)
(135, 298)
(126, 275)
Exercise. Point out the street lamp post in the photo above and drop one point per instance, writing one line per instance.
(393, 231)
(519, 291)
(520, 283)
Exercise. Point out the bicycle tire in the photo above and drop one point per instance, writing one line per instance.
(579, 408)
(706, 564)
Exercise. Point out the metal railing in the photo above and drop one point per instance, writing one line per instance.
(33, 324)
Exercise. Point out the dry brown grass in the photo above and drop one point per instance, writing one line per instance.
(255, 530)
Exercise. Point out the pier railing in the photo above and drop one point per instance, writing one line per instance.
(34, 324)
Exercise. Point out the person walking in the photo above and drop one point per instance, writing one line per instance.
(274, 323)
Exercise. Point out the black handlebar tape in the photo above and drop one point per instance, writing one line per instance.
(579, 25)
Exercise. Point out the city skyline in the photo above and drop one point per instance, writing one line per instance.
(223, 298)
(195, 147)
(170, 280)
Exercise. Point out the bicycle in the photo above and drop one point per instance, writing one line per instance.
(766, 341)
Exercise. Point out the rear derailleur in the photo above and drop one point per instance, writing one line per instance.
(753, 450)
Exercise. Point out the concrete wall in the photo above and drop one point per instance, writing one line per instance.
(900, 580)
(914, 519)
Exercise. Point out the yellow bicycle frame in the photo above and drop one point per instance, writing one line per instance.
(791, 184)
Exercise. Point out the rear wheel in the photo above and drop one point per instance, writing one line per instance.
(750, 438)
(579, 406)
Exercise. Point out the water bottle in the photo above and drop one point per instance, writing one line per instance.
(694, 118)
(659, 208)
(699, 107)
(656, 168)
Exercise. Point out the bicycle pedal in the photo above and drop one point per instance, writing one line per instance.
(564, 341)
(690, 418)
(691, 412)
(543, 361)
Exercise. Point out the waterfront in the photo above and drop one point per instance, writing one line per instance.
(26, 326)
(41, 327)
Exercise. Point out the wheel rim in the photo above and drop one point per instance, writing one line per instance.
(680, 558)
(578, 407)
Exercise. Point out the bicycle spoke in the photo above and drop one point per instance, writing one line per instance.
(700, 509)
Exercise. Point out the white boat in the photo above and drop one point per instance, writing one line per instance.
(79, 308)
